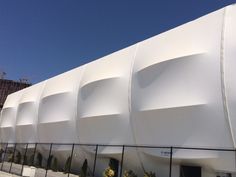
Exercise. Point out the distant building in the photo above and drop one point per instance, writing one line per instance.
(9, 86)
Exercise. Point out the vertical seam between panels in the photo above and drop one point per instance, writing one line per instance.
(77, 104)
(76, 92)
(129, 91)
(14, 128)
(130, 102)
(222, 71)
(38, 109)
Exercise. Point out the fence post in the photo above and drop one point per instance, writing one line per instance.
(24, 157)
(4, 155)
(122, 159)
(171, 156)
(235, 157)
(95, 159)
(48, 160)
(12, 161)
(71, 157)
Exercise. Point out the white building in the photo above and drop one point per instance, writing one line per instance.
(175, 89)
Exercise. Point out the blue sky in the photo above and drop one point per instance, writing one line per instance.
(42, 38)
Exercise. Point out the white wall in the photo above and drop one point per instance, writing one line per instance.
(174, 89)
(27, 114)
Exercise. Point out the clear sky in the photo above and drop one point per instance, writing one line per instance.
(42, 38)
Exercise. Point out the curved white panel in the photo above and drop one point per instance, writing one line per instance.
(27, 114)
(229, 61)
(8, 117)
(103, 107)
(57, 109)
(171, 93)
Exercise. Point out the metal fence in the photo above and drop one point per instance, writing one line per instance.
(54, 159)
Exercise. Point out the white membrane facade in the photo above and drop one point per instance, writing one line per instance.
(103, 102)
(56, 122)
(8, 117)
(175, 89)
(27, 114)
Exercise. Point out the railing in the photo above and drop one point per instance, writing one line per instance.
(54, 159)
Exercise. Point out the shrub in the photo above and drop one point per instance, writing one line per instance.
(49, 161)
(10, 155)
(1, 153)
(149, 174)
(25, 160)
(67, 165)
(54, 165)
(39, 160)
(112, 170)
(83, 171)
(31, 160)
(108, 172)
(18, 158)
(129, 173)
